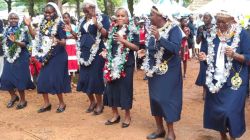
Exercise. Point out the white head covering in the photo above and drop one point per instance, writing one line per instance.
(59, 14)
(125, 8)
(13, 12)
(164, 11)
(94, 3)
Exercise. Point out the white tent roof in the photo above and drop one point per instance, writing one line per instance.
(143, 7)
(236, 7)
(20, 10)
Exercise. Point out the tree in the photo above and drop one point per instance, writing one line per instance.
(31, 8)
(78, 8)
(9, 2)
(110, 5)
(131, 6)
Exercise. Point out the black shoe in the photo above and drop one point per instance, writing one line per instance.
(91, 108)
(60, 110)
(114, 122)
(155, 135)
(12, 102)
(98, 112)
(21, 105)
(44, 109)
(125, 125)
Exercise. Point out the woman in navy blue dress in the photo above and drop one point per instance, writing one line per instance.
(50, 50)
(119, 67)
(16, 73)
(202, 33)
(226, 56)
(92, 30)
(162, 65)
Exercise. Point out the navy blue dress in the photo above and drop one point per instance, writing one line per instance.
(224, 111)
(165, 91)
(53, 77)
(119, 93)
(16, 75)
(91, 77)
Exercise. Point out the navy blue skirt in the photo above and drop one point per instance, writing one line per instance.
(119, 93)
(17, 75)
(165, 93)
(224, 111)
(91, 77)
(53, 77)
(201, 79)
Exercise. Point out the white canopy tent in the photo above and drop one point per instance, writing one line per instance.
(143, 7)
(236, 7)
(20, 10)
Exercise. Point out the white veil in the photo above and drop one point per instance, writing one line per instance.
(59, 14)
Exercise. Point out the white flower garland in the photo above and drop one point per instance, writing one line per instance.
(18, 51)
(119, 58)
(95, 47)
(214, 88)
(158, 55)
(42, 44)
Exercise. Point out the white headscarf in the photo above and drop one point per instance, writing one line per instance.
(94, 3)
(59, 14)
(125, 8)
(164, 11)
(14, 12)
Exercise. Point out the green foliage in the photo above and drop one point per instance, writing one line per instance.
(3, 5)
(39, 4)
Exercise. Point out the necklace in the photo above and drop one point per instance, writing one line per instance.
(114, 67)
(44, 41)
(215, 87)
(160, 67)
(12, 52)
(95, 47)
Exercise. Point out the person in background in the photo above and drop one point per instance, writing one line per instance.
(71, 30)
(184, 51)
(142, 35)
(191, 35)
(202, 33)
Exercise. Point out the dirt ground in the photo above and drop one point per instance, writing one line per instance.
(75, 124)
